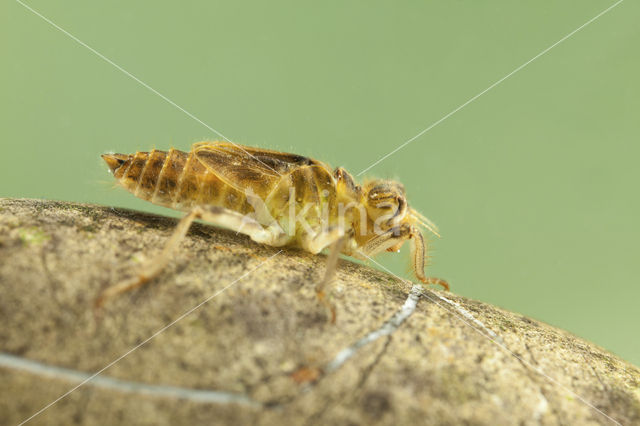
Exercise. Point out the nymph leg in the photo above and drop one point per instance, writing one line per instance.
(418, 255)
(395, 236)
(217, 216)
(329, 274)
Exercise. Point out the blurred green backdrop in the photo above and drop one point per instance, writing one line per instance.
(534, 184)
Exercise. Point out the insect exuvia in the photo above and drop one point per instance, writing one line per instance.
(275, 198)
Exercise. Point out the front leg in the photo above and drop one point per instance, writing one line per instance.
(418, 255)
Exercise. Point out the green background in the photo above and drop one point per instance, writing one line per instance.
(533, 185)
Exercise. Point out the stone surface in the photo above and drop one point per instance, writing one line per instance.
(260, 349)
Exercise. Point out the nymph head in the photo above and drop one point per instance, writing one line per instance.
(390, 214)
(386, 203)
(394, 223)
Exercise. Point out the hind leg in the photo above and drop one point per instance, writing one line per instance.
(218, 216)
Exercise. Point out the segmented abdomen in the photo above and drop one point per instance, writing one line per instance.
(176, 179)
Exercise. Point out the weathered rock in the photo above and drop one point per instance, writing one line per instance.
(231, 333)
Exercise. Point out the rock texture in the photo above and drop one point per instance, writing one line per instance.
(231, 333)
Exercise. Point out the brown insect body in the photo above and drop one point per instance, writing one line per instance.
(173, 179)
(291, 200)
(182, 180)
